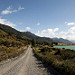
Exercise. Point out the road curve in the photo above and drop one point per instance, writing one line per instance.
(25, 64)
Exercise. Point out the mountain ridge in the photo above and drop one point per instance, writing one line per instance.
(61, 40)
(28, 35)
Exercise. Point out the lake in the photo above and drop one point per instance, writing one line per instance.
(72, 47)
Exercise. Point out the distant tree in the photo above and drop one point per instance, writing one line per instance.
(46, 43)
(33, 42)
(51, 44)
(55, 43)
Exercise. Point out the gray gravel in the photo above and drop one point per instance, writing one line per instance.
(25, 64)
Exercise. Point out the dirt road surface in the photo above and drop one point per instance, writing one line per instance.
(26, 64)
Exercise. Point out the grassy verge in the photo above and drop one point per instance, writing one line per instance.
(60, 59)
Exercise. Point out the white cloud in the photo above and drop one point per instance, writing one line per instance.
(69, 34)
(72, 29)
(70, 23)
(38, 24)
(56, 29)
(9, 10)
(48, 32)
(22, 30)
(28, 28)
(20, 8)
(6, 22)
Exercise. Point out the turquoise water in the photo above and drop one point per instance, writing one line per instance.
(66, 47)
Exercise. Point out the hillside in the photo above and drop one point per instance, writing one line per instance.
(11, 30)
(11, 40)
(11, 45)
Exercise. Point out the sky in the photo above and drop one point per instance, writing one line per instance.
(45, 18)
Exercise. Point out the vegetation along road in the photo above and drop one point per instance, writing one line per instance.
(25, 64)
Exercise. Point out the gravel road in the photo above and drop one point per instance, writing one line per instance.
(25, 64)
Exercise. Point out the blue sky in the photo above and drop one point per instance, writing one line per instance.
(49, 18)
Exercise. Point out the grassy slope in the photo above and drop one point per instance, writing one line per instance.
(10, 45)
(62, 60)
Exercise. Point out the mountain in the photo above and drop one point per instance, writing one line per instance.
(11, 30)
(25, 35)
(61, 40)
(37, 38)
(29, 36)
(73, 41)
